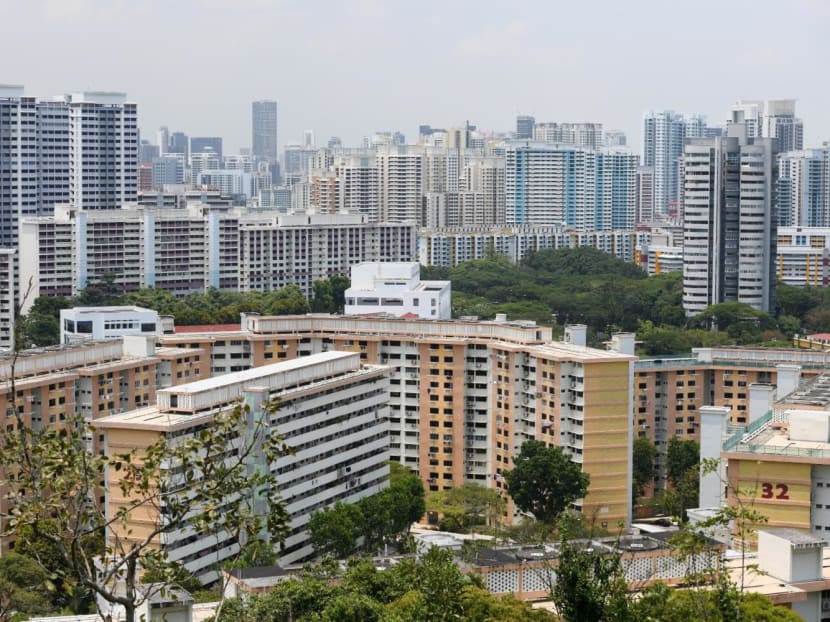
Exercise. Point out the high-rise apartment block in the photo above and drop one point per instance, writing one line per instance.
(774, 118)
(803, 188)
(465, 395)
(728, 226)
(80, 148)
(585, 135)
(333, 413)
(664, 133)
(189, 249)
(645, 194)
(585, 189)
(524, 127)
(401, 182)
(264, 130)
(451, 246)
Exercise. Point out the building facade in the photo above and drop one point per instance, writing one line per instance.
(553, 185)
(264, 130)
(333, 414)
(664, 133)
(396, 289)
(728, 227)
(203, 245)
(465, 395)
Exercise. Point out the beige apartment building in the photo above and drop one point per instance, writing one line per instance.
(465, 395)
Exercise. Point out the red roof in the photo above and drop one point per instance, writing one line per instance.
(820, 336)
(410, 316)
(208, 328)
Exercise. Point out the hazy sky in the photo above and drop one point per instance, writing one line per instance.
(351, 68)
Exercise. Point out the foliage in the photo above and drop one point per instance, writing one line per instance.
(52, 483)
(590, 585)
(336, 529)
(379, 519)
(24, 586)
(681, 456)
(466, 506)
(41, 325)
(429, 589)
(544, 482)
(643, 465)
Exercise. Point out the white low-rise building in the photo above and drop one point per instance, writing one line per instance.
(97, 323)
(397, 289)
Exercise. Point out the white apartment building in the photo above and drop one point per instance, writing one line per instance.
(586, 135)
(401, 182)
(200, 246)
(333, 413)
(227, 181)
(451, 246)
(103, 150)
(728, 223)
(564, 185)
(101, 323)
(803, 188)
(664, 133)
(397, 289)
(80, 148)
(357, 182)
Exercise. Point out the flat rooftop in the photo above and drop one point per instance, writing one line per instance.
(110, 309)
(814, 393)
(251, 376)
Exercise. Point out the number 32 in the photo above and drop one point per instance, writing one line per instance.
(767, 491)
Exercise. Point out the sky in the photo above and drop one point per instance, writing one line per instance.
(351, 68)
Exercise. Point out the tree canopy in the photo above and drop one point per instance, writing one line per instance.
(431, 588)
(544, 482)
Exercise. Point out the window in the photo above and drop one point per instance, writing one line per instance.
(148, 327)
(85, 326)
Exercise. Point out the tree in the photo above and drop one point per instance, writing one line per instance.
(406, 498)
(24, 586)
(590, 585)
(203, 483)
(681, 456)
(322, 300)
(643, 465)
(544, 482)
(431, 588)
(335, 530)
(466, 506)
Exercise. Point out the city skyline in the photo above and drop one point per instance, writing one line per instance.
(489, 70)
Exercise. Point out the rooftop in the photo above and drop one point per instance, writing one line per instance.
(258, 373)
(110, 309)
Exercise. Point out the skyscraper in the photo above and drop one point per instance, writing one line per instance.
(728, 228)
(163, 138)
(180, 143)
(264, 130)
(524, 127)
(664, 132)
